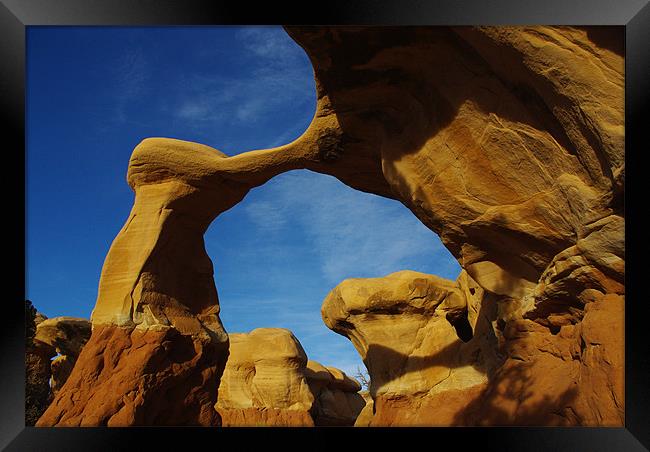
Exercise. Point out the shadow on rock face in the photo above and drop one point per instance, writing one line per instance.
(468, 128)
(510, 397)
(512, 400)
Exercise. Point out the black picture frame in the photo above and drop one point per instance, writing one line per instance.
(16, 15)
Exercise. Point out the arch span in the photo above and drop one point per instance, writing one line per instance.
(505, 141)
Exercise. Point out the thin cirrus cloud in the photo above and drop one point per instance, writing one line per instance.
(268, 42)
(272, 79)
(300, 235)
(131, 74)
(354, 234)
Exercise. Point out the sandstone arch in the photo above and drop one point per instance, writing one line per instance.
(505, 141)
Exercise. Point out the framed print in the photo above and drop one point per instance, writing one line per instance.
(400, 217)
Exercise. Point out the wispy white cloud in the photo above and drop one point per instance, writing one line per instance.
(194, 110)
(355, 234)
(266, 215)
(268, 42)
(250, 109)
(272, 79)
(132, 71)
(302, 215)
(208, 99)
(267, 74)
(287, 136)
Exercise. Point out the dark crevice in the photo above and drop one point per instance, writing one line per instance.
(461, 325)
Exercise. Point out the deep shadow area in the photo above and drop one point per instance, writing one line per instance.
(607, 36)
(462, 326)
(37, 372)
(386, 365)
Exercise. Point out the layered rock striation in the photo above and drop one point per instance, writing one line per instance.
(268, 381)
(508, 143)
(65, 337)
(428, 343)
(505, 141)
(445, 353)
(158, 347)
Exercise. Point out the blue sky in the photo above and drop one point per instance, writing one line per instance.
(94, 93)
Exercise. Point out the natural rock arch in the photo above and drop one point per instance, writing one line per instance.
(505, 141)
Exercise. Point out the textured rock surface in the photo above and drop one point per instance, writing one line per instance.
(264, 373)
(337, 401)
(156, 290)
(268, 381)
(157, 285)
(515, 367)
(67, 337)
(508, 143)
(407, 328)
(148, 373)
(505, 141)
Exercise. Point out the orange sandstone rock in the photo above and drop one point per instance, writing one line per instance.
(505, 141)
(268, 381)
(508, 143)
(555, 360)
(418, 342)
(157, 288)
(148, 372)
(66, 336)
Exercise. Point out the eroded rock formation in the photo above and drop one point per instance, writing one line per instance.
(337, 401)
(53, 346)
(512, 367)
(508, 143)
(37, 367)
(426, 341)
(66, 337)
(505, 141)
(158, 348)
(268, 381)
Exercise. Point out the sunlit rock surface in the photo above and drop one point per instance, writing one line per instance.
(67, 337)
(508, 143)
(268, 381)
(505, 141)
(430, 363)
(427, 342)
